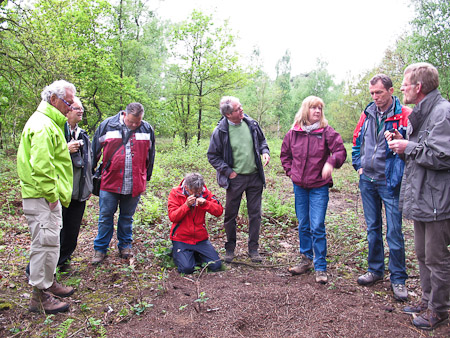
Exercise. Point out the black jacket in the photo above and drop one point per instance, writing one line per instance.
(220, 154)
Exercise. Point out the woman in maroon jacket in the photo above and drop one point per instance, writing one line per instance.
(188, 204)
(309, 153)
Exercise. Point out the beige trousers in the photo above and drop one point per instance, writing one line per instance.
(45, 226)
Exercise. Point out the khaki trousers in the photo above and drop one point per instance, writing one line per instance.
(45, 226)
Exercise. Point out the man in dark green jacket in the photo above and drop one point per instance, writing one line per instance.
(45, 172)
(425, 192)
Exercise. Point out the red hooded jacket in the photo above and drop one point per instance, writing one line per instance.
(189, 222)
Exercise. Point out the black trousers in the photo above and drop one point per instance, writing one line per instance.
(72, 217)
(253, 188)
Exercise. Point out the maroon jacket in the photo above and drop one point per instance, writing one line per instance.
(189, 222)
(303, 155)
(107, 139)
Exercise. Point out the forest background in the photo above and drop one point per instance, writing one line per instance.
(117, 52)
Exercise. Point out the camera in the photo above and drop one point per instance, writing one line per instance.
(80, 143)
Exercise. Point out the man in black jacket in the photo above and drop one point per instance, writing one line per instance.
(235, 151)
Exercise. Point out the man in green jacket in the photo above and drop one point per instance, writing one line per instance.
(45, 172)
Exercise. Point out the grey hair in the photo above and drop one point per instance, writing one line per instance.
(194, 181)
(135, 109)
(226, 104)
(77, 100)
(57, 88)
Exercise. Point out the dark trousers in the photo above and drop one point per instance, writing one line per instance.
(432, 240)
(72, 217)
(253, 187)
(187, 256)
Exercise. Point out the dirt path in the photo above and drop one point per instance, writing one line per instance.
(248, 302)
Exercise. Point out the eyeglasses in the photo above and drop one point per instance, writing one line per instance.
(67, 103)
(405, 85)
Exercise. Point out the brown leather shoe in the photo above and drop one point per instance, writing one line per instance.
(304, 265)
(43, 301)
(429, 320)
(60, 290)
(98, 257)
(125, 253)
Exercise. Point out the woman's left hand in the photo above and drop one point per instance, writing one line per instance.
(327, 170)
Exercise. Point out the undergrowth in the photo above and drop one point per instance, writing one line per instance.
(117, 290)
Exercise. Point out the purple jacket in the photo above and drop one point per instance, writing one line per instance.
(303, 155)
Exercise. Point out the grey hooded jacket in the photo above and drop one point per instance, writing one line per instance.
(425, 192)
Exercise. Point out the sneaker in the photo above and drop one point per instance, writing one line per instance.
(321, 277)
(60, 290)
(400, 292)
(98, 257)
(125, 253)
(255, 256)
(229, 256)
(429, 320)
(304, 265)
(369, 279)
(43, 301)
(416, 308)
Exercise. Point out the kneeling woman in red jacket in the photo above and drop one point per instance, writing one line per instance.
(310, 152)
(188, 204)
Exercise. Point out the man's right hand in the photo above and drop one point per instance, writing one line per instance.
(233, 175)
(191, 200)
(360, 171)
(73, 146)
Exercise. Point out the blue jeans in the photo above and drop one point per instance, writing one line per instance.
(108, 206)
(310, 208)
(373, 193)
(187, 256)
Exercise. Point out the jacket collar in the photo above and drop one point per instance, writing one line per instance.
(423, 108)
(53, 113)
(371, 108)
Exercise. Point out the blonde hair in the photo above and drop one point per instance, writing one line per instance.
(301, 118)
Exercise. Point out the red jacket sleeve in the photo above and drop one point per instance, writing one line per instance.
(177, 206)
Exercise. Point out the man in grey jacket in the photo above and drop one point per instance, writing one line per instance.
(425, 192)
(235, 151)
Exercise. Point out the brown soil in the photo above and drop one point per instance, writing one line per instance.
(245, 300)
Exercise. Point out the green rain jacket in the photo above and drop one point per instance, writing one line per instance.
(43, 159)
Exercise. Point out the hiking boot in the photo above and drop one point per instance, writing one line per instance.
(60, 290)
(255, 256)
(416, 308)
(98, 257)
(400, 292)
(321, 277)
(304, 265)
(125, 253)
(429, 320)
(229, 256)
(43, 301)
(369, 279)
